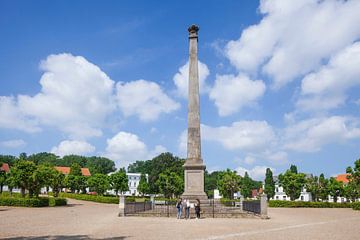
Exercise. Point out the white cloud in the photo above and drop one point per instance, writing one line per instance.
(13, 118)
(257, 172)
(242, 135)
(75, 96)
(326, 88)
(144, 99)
(293, 38)
(125, 148)
(68, 147)
(231, 93)
(15, 143)
(181, 79)
(312, 134)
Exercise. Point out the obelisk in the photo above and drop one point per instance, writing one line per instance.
(194, 165)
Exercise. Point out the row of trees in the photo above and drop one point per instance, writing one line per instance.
(95, 164)
(27, 175)
(320, 187)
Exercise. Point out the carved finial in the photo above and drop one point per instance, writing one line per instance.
(193, 29)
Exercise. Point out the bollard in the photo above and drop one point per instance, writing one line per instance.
(121, 206)
(152, 199)
(263, 206)
(241, 202)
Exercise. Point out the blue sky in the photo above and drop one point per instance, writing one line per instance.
(280, 81)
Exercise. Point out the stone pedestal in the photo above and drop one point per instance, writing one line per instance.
(121, 206)
(194, 182)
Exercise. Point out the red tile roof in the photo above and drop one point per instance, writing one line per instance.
(342, 178)
(5, 167)
(66, 170)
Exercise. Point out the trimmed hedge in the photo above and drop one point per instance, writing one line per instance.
(17, 201)
(356, 206)
(299, 204)
(53, 202)
(92, 198)
(24, 202)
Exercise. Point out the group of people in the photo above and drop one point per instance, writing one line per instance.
(185, 204)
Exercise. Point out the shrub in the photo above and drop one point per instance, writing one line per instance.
(92, 198)
(299, 204)
(53, 202)
(24, 202)
(356, 206)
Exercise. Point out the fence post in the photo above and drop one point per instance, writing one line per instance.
(168, 213)
(122, 206)
(152, 199)
(213, 207)
(263, 206)
(241, 203)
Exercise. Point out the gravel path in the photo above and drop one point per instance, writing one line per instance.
(88, 220)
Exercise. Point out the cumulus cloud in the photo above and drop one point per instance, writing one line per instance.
(12, 117)
(75, 97)
(257, 172)
(242, 135)
(231, 93)
(125, 148)
(312, 134)
(144, 99)
(68, 147)
(293, 38)
(326, 88)
(15, 143)
(181, 79)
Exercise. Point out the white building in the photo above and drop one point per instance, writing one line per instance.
(281, 195)
(133, 181)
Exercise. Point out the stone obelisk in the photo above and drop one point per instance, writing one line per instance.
(194, 165)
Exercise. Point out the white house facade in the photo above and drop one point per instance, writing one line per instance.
(133, 182)
(281, 195)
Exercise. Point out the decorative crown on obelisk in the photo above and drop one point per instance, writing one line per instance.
(193, 30)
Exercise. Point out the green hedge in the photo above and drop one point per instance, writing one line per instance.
(31, 202)
(356, 206)
(92, 198)
(299, 204)
(53, 202)
(24, 202)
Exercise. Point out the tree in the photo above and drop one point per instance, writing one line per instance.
(211, 182)
(2, 178)
(143, 187)
(99, 183)
(312, 185)
(100, 165)
(269, 184)
(10, 182)
(57, 181)
(353, 187)
(163, 163)
(292, 182)
(323, 187)
(293, 169)
(336, 188)
(170, 184)
(8, 159)
(45, 158)
(71, 182)
(119, 181)
(22, 173)
(229, 183)
(75, 169)
(246, 186)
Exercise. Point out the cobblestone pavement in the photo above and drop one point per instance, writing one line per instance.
(87, 220)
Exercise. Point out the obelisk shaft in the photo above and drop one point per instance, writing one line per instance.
(194, 167)
(194, 141)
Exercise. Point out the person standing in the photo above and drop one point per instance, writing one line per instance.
(179, 208)
(197, 209)
(187, 209)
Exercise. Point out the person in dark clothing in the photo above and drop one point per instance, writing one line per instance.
(197, 209)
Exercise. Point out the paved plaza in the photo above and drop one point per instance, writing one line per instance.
(88, 220)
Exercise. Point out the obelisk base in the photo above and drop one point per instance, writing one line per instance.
(194, 182)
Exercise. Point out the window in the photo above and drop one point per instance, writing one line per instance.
(284, 197)
(302, 198)
(277, 197)
(277, 189)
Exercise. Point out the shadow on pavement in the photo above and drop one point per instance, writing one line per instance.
(66, 237)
